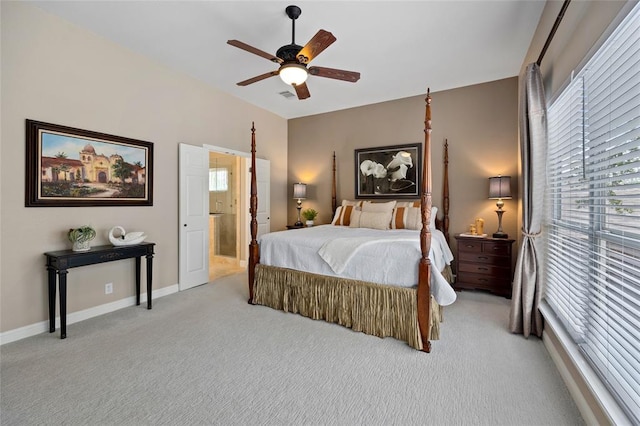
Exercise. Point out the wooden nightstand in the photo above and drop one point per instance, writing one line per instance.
(484, 264)
(295, 226)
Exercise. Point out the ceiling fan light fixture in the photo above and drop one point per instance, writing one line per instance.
(293, 74)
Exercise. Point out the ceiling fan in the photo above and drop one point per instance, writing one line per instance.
(293, 59)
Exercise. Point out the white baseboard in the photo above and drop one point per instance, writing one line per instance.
(43, 326)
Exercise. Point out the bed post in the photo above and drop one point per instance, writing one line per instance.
(424, 271)
(445, 193)
(334, 201)
(254, 249)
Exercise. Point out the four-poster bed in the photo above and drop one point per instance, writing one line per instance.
(341, 292)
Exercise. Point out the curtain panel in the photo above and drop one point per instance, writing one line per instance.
(524, 317)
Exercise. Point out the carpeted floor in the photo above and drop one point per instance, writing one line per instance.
(204, 356)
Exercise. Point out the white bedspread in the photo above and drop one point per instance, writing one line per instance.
(388, 257)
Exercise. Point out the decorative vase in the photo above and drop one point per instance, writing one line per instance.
(81, 245)
(309, 223)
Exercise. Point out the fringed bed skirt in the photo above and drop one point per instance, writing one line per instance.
(374, 309)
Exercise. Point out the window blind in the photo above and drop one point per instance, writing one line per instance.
(593, 212)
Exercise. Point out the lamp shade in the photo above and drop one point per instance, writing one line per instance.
(299, 191)
(293, 73)
(500, 187)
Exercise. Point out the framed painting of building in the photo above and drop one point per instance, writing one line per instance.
(389, 172)
(68, 167)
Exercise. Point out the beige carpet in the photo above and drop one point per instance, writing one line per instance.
(204, 356)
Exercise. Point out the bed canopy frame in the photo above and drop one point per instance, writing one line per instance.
(424, 308)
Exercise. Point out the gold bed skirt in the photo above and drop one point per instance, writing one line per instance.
(374, 309)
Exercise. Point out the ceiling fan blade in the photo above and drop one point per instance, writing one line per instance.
(257, 78)
(315, 46)
(251, 49)
(350, 76)
(302, 91)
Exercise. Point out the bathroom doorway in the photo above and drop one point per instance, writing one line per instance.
(225, 180)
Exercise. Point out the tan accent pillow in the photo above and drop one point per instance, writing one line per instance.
(372, 207)
(374, 220)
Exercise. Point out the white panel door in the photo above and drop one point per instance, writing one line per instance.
(194, 216)
(263, 181)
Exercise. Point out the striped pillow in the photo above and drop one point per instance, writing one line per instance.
(408, 203)
(343, 213)
(411, 218)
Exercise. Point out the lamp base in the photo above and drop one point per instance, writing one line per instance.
(500, 235)
(298, 223)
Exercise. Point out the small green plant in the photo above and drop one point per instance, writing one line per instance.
(309, 214)
(82, 234)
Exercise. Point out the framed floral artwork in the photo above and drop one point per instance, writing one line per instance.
(68, 167)
(389, 171)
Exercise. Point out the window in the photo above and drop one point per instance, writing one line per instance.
(218, 179)
(593, 215)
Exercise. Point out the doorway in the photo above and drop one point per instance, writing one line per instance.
(196, 208)
(224, 214)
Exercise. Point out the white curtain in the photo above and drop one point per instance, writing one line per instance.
(527, 283)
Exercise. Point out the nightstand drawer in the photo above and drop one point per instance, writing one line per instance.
(481, 268)
(482, 280)
(470, 246)
(486, 259)
(497, 285)
(496, 248)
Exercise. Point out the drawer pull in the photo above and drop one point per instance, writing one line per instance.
(483, 269)
(470, 246)
(483, 280)
(483, 257)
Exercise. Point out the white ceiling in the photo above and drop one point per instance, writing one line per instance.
(399, 47)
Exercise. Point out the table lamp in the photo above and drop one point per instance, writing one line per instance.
(500, 189)
(299, 193)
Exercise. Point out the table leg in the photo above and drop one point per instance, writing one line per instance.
(138, 280)
(149, 279)
(52, 299)
(62, 278)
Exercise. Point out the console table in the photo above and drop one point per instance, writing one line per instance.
(58, 262)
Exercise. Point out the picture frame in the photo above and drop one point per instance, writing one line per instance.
(69, 167)
(389, 172)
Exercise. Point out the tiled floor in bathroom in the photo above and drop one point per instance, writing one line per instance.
(220, 266)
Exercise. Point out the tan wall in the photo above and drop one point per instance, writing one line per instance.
(55, 72)
(480, 123)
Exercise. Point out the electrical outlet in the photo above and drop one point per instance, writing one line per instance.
(108, 288)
